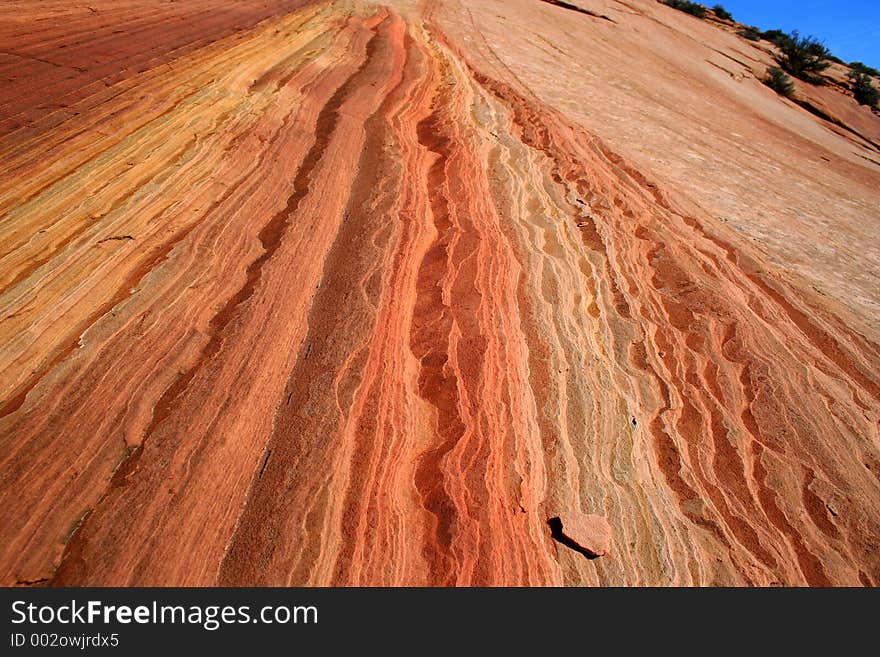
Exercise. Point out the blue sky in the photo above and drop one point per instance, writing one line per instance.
(850, 28)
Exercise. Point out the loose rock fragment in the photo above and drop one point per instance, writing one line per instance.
(585, 533)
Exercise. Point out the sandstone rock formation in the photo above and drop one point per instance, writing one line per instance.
(583, 532)
(365, 293)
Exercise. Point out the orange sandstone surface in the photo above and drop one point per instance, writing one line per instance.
(430, 293)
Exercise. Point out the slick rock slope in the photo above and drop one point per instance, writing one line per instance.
(497, 292)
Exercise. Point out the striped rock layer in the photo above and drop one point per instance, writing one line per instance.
(327, 293)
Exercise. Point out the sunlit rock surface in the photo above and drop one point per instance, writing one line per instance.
(310, 293)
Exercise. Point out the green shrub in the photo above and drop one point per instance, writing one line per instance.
(802, 57)
(863, 89)
(722, 13)
(779, 82)
(692, 8)
(750, 33)
(774, 36)
(862, 68)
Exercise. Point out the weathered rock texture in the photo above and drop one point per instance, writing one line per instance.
(349, 293)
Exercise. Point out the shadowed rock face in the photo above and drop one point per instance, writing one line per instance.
(360, 294)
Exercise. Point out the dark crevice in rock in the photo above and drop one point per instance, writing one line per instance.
(31, 582)
(815, 111)
(116, 238)
(580, 10)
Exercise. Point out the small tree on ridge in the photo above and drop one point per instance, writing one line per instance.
(803, 57)
(863, 89)
(722, 13)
